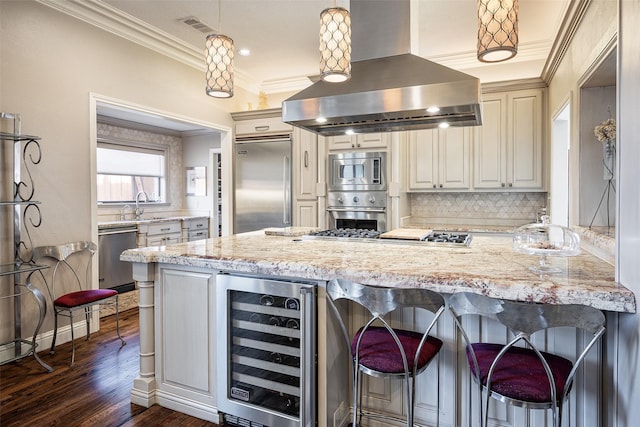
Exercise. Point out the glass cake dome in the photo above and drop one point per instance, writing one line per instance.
(545, 239)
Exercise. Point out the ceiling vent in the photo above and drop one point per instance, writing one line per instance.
(195, 23)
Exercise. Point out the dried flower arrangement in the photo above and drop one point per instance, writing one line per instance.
(606, 131)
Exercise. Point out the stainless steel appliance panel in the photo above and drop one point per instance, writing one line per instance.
(267, 372)
(113, 273)
(357, 171)
(262, 184)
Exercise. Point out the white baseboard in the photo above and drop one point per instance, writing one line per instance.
(44, 339)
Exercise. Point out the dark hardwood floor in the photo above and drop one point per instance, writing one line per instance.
(94, 392)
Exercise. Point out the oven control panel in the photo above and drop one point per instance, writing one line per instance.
(357, 199)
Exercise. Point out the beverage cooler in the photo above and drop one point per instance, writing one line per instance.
(267, 359)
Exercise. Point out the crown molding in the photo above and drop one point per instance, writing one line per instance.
(532, 51)
(568, 28)
(108, 18)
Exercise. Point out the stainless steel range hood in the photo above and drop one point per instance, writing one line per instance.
(390, 89)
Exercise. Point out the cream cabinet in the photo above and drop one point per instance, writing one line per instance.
(185, 341)
(159, 233)
(195, 229)
(439, 159)
(306, 213)
(305, 178)
(263, 125)
(359, 141)
(305, 164)
(508, 147)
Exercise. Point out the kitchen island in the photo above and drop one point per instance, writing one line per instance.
(487, 266)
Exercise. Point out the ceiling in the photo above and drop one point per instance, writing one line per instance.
(282, 35)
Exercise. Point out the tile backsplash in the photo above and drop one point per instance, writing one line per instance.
(478, 208)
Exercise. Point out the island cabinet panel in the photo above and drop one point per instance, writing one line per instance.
(185, 340)
(508, 147)
(439, 159)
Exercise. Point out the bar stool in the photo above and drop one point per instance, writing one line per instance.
(523, 376)
(380, 350)
(83, 298)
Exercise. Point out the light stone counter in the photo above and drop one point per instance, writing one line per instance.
(488, 266)
(120, 223)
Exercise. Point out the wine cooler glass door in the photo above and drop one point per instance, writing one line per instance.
(270, 351)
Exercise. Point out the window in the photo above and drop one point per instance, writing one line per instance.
(125, 170)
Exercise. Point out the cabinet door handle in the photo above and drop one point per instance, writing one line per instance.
(353, 145)
(434, 186)
(306, 159)
(511, 184)
(502, 184)
(261, 128)
(440, 185)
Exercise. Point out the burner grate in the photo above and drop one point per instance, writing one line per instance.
(358, 233)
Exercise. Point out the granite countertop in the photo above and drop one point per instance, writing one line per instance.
(120, 223)
(489, 266)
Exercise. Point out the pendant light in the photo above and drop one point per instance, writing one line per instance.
(335, 44)
(497, 30)
(219, 62)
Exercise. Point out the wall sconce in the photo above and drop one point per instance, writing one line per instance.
(497, 30)
(335, 45)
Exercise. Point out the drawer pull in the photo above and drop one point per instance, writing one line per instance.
(166, 229)
(261, 128)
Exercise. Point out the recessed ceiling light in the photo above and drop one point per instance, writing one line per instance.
(433, 109)
(443, 125)
(244, 52)
(321, 120)
(349, 132)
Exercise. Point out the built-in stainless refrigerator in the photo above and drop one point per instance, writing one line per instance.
(262, 184)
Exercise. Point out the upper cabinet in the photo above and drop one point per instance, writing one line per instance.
(359, 141)
(508, 145)
(439, 159)
(262, 126)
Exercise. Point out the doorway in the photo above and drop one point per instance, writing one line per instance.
(559, 173)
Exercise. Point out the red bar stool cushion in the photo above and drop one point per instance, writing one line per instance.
(379, 351)
(78, 298)
(520, 374)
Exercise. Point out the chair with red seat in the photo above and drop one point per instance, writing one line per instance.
(380, 350)
(518, 372)
(84, 298)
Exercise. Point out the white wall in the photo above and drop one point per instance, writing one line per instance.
(592, 39)
(628, 230)
(596, 105)
(195, 152)
(50, 64)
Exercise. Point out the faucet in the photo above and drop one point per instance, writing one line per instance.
(123, 213)
(139, 211)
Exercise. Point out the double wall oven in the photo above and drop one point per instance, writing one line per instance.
(357, 191)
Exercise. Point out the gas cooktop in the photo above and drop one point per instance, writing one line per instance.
(436, 238)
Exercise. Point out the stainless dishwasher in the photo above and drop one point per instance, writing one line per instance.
(113, 273)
